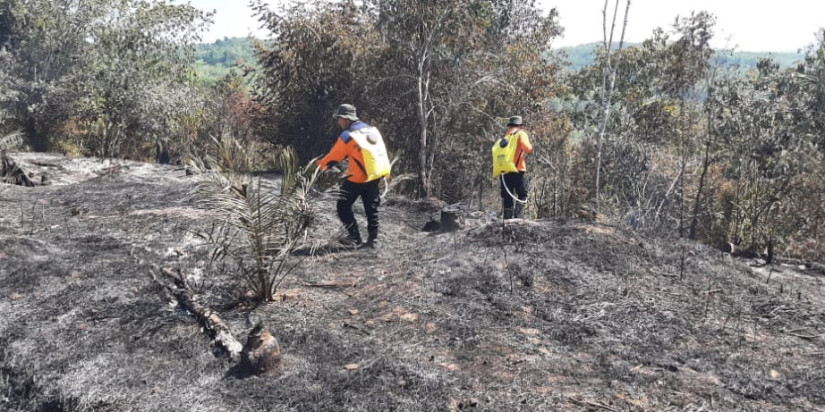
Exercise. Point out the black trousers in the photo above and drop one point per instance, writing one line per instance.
(517, 184)
(370, 194)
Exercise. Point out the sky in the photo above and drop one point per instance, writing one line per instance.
(747, 25)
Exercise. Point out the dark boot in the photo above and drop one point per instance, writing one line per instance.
(353, 235)
(372, 201)
(372, 240)
(518, 211)
(508, 213)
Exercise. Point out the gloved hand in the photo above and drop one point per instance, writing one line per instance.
(335, 167)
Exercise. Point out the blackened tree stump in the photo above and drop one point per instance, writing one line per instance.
(452, 218)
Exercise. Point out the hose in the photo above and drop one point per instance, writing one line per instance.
(503, 183)
(386, 187)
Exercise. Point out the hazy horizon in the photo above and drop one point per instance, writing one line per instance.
(739, 23)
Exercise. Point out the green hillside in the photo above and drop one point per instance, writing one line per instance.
(215, 60)
(582, 55)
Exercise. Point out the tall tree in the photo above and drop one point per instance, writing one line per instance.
(609, 71)
(63, 57)
(421, 70)
(318, 57)
(688, 64)
(463, 60)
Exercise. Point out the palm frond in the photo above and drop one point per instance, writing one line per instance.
(269, 223)
(11, 140)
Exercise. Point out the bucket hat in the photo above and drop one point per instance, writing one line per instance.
(515, 121)
(347, 111)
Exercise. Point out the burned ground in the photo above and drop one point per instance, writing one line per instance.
(521, 316)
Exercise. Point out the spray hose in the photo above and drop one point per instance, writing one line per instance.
(503, 183)
(386, 187)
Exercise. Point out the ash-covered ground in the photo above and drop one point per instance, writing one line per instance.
(515, 316)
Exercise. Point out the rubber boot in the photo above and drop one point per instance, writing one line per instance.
(372, 240)
(508, 213)
(518, 211)
(354, 237)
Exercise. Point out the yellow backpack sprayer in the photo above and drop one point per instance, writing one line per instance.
(504, 161)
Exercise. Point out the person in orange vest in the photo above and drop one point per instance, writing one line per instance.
(514, 184)
(357, 184)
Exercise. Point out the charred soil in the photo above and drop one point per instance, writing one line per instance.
(501, 316)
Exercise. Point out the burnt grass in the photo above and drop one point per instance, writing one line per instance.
(515, 316)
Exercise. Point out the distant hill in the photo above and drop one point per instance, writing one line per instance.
(582, 55)
(213, 61)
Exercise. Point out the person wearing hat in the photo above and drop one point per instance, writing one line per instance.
(514, 184)
(357, 183)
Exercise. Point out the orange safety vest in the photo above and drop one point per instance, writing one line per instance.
(346, 148)
(523, 149)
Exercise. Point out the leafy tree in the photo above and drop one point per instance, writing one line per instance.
(415, 68)
(464, 63)
(319, 58)
(118, 66)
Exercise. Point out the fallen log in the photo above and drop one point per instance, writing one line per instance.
(737, 251)
(221, 335)
(12, 174)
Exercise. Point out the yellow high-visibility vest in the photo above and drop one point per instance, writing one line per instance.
(376, 159)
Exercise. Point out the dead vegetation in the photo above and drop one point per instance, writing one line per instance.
(514, 316)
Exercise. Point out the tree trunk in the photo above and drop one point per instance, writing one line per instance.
(161, 152)
(705, 166)
(706, 162)
(38, 143)
(608, 92)
(422, 123)
(211, 322)
(682, 166)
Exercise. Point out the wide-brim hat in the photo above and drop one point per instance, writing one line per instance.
(347, 111)
(515, 121)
